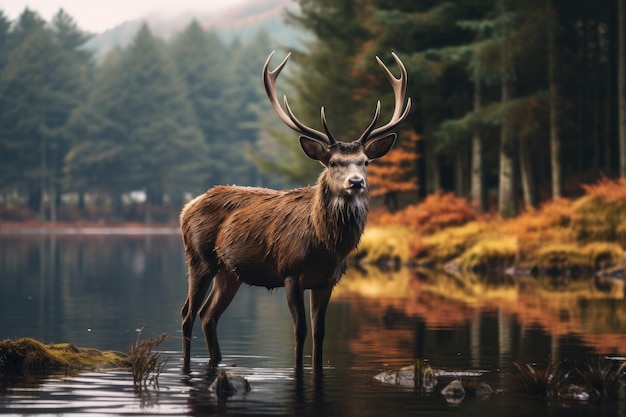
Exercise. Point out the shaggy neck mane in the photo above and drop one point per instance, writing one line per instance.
(338, 220)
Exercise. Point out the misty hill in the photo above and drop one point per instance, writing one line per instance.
(242, 22)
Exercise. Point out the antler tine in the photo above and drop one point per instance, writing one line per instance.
(400, 111)
(269, 80)
(326, 128)
(369, 129)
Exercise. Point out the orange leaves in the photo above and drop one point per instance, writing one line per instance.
(436, 212)
(396, 171)
(607, 190)
(448, 227)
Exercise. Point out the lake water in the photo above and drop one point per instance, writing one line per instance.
(98, 290)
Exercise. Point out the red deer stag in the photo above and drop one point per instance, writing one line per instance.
(298, 239)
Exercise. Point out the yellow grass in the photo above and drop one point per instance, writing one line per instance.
(450, 243)
(589, 233)
(31, 355)
(381, 244)
(490, 254)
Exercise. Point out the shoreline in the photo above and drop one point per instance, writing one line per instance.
(132, 229)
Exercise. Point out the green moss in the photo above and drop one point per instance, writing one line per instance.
(28, 354)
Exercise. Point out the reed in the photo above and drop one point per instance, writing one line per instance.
(603, 376)
(145, 362)
(544, 382)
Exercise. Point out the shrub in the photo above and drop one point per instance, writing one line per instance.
(450, 243)
(384, 244)
(437, 211)
(607, 190)
(602, 212)
(593, 256)
(490, 255)
(535, 228)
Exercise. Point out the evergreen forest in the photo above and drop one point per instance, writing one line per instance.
(515, 102)
(130, 137)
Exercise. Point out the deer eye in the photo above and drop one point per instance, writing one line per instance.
(332, 164)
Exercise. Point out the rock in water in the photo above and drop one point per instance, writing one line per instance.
(402, 377)
(484, 390)
(420, 376)
(226, 385)
(454, 392)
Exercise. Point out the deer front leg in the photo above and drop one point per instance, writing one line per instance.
(295, 300)
(319, 303)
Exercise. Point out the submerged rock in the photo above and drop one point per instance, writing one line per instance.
(484, 390)
(454, 392)
(227, 384)
(576, 392)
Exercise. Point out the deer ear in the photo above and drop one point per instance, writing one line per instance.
(379, 147)
(314, 149)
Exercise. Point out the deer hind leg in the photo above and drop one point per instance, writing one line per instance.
(199, 281)
(319, 303)
(225, 286)
(295, 300)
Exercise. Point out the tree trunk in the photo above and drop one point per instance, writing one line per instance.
(553, 91)
(621, 82)
(527, 177)
(34, 199)
(506, 201)
(477, 152)
(42, 182)
(54, 197)
(459, 174)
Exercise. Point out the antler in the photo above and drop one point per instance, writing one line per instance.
(269, 80)
(399, 91)
(399, 114)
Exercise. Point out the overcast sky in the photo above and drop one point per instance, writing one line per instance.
(98, 15)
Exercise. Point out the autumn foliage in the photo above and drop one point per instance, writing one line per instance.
(436, 212)
(588, 233)
(396, 172)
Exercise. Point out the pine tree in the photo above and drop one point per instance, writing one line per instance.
(246, 102)
(38, 89)
(5, 33)
(200, 60)
(323, 75)
(142, 125)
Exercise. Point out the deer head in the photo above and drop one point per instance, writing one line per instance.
(345, 162)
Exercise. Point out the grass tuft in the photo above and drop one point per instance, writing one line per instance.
(146, 364)
(543, 382)
(603, 376)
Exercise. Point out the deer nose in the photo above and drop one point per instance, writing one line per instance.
(356, 183)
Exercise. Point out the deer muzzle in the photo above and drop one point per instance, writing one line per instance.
(356, 185)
